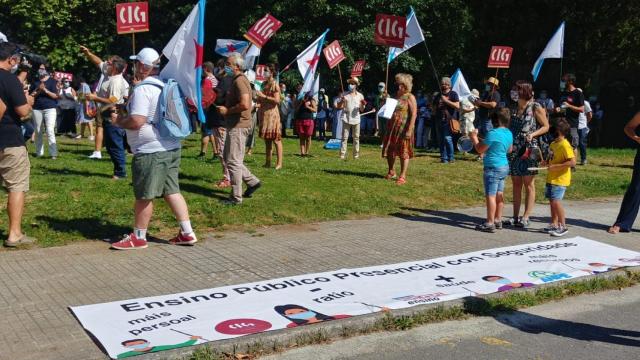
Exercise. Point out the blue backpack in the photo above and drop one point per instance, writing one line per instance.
(174, 118)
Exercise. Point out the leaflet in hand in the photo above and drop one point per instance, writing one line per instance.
(386, 111)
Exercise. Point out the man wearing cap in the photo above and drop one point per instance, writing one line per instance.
(156, 159)
(352, 104)
(111, 92)
(486, 104)
(237, 116)
(14, 158)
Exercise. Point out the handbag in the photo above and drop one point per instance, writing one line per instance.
(454, 124)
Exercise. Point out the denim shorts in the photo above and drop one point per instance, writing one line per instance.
(554, 192)
(494, 179)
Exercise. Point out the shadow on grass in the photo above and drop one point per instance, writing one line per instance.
(369, 175)
(442, 217)
(90, 228)
(621, 166)
(69, 172)
(535, 324)
(201, 190)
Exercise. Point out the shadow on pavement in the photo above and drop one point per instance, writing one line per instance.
(535, 324)
(442, 217)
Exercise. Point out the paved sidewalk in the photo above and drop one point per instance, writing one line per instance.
(37, 286)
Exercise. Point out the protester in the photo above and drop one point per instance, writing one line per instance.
(527, 125)
(22, 73)
(398, 138)
(561, 160)
(14, 158)
(631, 201)
(45, 92)
(285, 108)
(219, 129)
(546, 102)
(67, 98)
(269, 116)
(85, 109)
(323, 114)
(112, 91)
(237, 116)
(251, 139)
(446, 104)
(336, 115)
(584, 119)
(572, 104)
(209, 83)
(468, 113)
(156, 159)
(305, 108)
(378, 103)
(487, 103)
(352, 104)
(496, 145)
(596, 124)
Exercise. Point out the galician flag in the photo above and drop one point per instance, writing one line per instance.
(414, 37)
(225, 47)
(185, 53)
(459, 85)
(308, 59)
(553, 50)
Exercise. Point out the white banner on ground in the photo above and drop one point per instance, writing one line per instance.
(139, 326)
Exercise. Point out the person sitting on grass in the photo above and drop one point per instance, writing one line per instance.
(495, 147)
(561, 160)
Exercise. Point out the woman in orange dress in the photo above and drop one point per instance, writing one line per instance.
(269, 117)
(398, 139)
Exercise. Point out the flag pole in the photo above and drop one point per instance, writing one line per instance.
(433, 67)
(386, 78)
(340, 74)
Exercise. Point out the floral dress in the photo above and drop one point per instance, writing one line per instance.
(525, 154)
(394, 142)
(269, 116)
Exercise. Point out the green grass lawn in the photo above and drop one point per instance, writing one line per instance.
(73, 198)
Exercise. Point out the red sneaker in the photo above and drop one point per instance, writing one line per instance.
(184, 239)
(130, 242)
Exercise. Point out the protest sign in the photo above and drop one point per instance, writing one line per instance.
(390, 30)
(132, 17)
(500, 57)
(62, 75)
(260, 69)
(333, 54)
(263, 30)
(357, 68)
(184, 319)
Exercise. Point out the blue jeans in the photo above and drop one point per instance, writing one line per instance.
(420, 133)
(446, 143)
(554, 192)
(320, 124)
(582, 143)
(114, 142)
(485, 127)
(494, 179)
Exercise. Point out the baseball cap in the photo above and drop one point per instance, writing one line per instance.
(147, 56)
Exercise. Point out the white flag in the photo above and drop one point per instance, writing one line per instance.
(553, 50)
(250, 57)
(309, 57)
(459, 85)
(3, 38)
(414, 37)
(185, 52)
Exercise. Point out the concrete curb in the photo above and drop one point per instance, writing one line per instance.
(333, 329)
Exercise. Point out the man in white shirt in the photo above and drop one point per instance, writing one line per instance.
(352, 104)
(156, 159)
(584, 118)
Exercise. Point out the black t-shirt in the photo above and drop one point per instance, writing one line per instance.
(575, 98)
(487, 96)
(43, 101)
(12, 95)
(440, 107)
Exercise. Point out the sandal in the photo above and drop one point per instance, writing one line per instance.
(223, 184)
(401, 181)
(614, 229)
(390, 175)
(23, 240)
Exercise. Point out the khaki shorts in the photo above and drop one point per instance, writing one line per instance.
(156, 175)
(15, 169)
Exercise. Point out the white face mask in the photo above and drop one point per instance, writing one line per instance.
(514, 95)
(14, 68)
(351, 87)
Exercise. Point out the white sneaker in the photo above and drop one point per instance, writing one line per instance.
(96, 155)
(91, 138)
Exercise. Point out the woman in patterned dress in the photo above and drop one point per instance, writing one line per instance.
(398, 138)
(269, 117)
(528, 123)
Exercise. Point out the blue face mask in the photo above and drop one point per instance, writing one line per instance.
(228, 70)
(351, 87)
(139, 346)
(302, 316)
(502, 281)
(563, 85)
